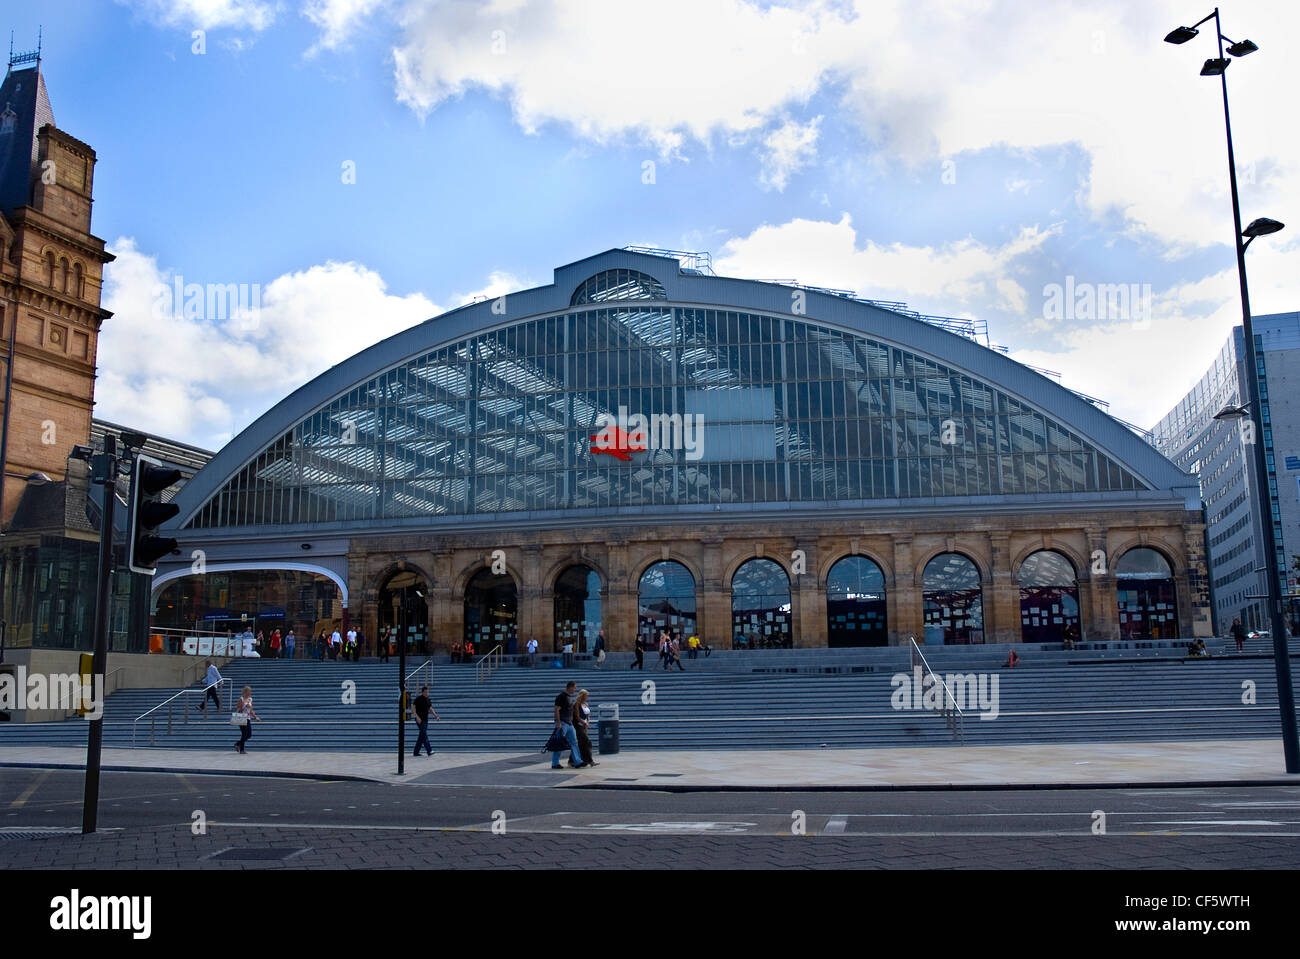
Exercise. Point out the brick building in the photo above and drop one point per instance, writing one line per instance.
(809, 468)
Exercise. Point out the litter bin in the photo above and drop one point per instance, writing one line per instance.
(607, 728)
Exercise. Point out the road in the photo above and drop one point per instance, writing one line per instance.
(174, 820)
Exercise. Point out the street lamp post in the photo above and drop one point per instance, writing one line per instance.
(399, 617)
(1261, 227)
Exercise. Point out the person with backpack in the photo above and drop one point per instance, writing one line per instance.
(564, 727)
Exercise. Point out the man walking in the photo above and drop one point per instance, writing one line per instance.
(211, 681)
(599, 648)
(423, 706)
(639, 662)
(288, 645)
(564, 726)
(532, 652)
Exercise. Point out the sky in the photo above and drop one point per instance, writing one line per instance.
(354, 167)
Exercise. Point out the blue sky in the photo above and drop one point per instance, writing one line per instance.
(964, 157)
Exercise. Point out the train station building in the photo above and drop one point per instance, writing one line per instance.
(642, 444)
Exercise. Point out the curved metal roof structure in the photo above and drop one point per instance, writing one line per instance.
(482, 417)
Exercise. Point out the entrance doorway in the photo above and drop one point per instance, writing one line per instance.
(402, 604)
(491, 612)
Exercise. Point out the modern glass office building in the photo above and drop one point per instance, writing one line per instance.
(1218, 453)
(642, 445)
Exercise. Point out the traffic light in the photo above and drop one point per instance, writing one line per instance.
(144, 548)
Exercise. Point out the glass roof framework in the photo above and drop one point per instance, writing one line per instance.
(501, 421)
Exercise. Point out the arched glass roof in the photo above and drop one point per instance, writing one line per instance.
(618, 285)
(745, 407)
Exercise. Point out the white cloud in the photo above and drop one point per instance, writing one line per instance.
(1144, 368)
(201, 379)
(787, 150)
(664, 72)
(207, 14)
(923, 78)
(337, 19)
(498, 284)
(821, 253)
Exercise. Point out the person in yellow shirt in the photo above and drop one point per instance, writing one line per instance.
(694, 644)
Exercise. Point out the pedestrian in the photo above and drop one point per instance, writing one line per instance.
(663, 649)
(383, 647)
(423, 706)
(245, 709)
(322, 644)
(350, 648)
(599, 648)
(694, 644)
(581, 723)
(1239, 634)
(275, 644)
(564, 726)
(532, 651)
(336, 644)
(675, 653)
(639, 649)
(288, 644)
(356, 650)
(211, 683)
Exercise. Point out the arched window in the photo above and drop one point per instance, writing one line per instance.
(76, 280)
(666, 600)
(49, 270)
(855, 604)
(954, 608)
(618, 285)
(760, 606)
(64, 271)
(1148, 599)
(577, 608)
(402, 606)
(491, 611)
(1049, 598)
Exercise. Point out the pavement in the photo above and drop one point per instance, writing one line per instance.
(1082, 765)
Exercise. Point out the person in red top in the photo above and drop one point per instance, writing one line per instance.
(275, 644)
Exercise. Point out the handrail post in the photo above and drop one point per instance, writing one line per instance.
(152, 728)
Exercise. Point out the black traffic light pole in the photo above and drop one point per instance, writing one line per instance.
(399, 614)
(106, 465)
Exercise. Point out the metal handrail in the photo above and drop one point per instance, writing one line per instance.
(952, 713)
(427, 664)
(185, 713)
(492, 660)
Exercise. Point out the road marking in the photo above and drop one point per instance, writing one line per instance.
(836, 825)
(26, 794)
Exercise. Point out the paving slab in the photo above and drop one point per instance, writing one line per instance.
(1156, 764)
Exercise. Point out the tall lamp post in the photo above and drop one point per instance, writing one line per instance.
(1218, 67)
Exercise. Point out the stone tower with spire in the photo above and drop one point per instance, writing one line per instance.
(51, 276)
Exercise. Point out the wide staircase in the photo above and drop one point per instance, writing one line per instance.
(731, 700)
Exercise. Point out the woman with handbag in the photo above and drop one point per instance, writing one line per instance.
(581, 723)
(243, 717)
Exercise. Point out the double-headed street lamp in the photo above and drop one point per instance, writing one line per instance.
(1218, 67)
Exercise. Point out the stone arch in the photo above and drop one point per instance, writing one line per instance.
(729, 570)
(378, 581)
(553, 571)
(981, 566)
(1080, 564)
(474, 567)
(1173, 556)
(833, 557)
(639, 567)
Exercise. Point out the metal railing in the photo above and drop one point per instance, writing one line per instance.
(170, 703)
(483, 668)
(951, 712)
(425, 671)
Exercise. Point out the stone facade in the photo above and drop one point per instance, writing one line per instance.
(51, 277)
(900, 547)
